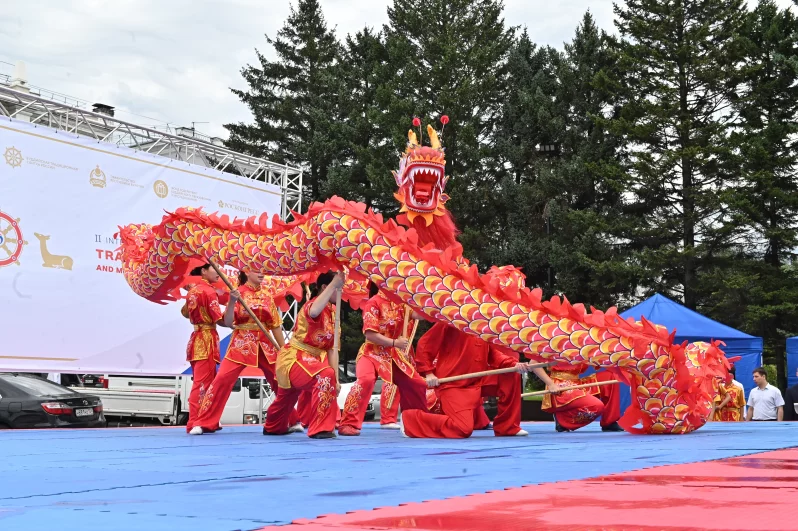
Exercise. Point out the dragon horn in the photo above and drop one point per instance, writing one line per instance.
(411, 137)
(433, 138)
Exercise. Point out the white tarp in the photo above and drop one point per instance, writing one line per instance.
(64, 304)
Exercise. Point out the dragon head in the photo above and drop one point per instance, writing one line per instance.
(421, 179)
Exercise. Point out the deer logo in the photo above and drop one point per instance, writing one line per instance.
(52, 260)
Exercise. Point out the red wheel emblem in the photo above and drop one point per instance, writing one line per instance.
(11, 242)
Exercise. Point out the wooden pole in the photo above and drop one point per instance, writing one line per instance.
(489, 373)
(580, 386)
(337, 336)
(392, 393)
(244, 304)
(333, 356)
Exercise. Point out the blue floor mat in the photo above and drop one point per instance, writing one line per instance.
(162, 479)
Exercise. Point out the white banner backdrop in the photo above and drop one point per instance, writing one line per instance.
(64, 304)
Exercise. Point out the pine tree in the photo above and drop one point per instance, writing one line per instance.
(761, 295)
(449, 57)
(363, 171)
(294, 99)
(587, 256)
(514, 230)
(679, 63)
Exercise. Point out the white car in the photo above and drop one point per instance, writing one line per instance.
(373, 409)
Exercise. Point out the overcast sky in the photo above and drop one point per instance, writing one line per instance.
(174, 60)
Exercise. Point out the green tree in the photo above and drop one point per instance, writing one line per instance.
(558, 216)
(586, 210)
(294, 99)
(678, 64)
(363, 170)
(761, 295)
(449, 57)
(513, 229)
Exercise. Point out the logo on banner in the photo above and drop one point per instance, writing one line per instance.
(11, 241)
(161, 189)
(52, 260)
(13, 157)
(238, 206)
(97, 177)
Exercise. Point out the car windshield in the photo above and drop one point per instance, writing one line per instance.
(36, 386)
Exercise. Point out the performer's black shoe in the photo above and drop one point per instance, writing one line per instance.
(612, 427)
(324, 435)
(559, 428)
(272, 433)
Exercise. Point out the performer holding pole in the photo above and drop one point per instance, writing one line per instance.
(257, 336)
(575, 407)
(310, 362)
(570, 387)
(446, 352)
(384, 353)
(203, 311)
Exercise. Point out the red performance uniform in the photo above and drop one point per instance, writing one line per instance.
(734, 409)
(302, 366)
(203, 311)
(579, 407)
(386, 318)
(249, 347)
(507, 389)
(457, 353)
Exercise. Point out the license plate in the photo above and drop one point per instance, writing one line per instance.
(84, 412)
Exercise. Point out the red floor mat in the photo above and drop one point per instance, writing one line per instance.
(757, 491)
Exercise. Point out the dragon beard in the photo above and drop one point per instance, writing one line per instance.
(441, 233)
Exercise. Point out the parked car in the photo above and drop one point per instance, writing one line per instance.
(96, 381)
(28, 401)
(347, 381)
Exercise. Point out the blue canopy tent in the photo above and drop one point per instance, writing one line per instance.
(792, 361)
(692, 326)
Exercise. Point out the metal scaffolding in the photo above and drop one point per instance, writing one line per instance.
(187, 145)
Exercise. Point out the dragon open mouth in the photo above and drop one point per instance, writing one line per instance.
(425, 184)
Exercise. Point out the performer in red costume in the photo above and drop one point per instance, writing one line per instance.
(305, 364)
(383, 354)
(579, 407)
(507, 390)
(249, 347)
(203, 311)
(449, 352)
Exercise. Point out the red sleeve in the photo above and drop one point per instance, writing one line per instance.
(500, 358)
(371, 316)
(224, 298)
(428, 347)
(319, 318)
(212, 303)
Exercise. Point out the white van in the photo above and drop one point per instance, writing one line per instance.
(165, 399)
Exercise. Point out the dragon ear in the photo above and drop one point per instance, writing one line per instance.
(433, 138)
(412, 138)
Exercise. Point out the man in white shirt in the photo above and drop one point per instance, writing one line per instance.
(764, 400)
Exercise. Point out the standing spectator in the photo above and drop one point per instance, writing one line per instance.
(791, 402)
(764, 400)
